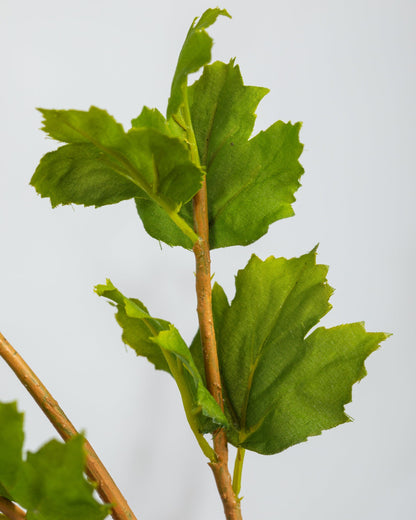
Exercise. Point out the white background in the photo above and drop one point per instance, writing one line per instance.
(347, 70)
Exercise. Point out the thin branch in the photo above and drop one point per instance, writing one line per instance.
(11, 510)
(95, 469)
(209, 347)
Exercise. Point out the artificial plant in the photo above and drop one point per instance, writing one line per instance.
(255, 375)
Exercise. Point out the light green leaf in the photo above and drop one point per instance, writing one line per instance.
(201, 404)
(50, 483)
(102, 164)
(137, 325)
(152, 118)
(195, 53)
(76, 126)
(281, 387)
(163, 346)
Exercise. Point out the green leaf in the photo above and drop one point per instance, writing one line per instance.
(195, 53)
(81, 174)
(11, 445)
(102, 164)
(201, 404)
(281, 387)
(152, 118)
(222, 109)
(137, 325)
(159, 226)
(50, 483)
(312, 396)
(162, 345)
(250, 183)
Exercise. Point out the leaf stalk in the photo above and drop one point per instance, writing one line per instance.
(238, 470)
(187, 404)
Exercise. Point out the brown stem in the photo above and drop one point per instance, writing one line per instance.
(209, 348)
(95, 469)
(11, 510)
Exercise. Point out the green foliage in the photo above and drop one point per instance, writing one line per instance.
(280, 387)
(162, 345)
(102, 164)
(49, 484)
(281, 382)
(251, 182)
(161, 162)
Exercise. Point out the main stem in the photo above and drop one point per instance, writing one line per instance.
(106, 487)
(209, 347)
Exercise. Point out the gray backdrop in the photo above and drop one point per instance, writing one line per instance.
(347, 70)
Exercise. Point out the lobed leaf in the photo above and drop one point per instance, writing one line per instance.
(280, 385)
(311, 396)
(162, 345)
(222, 108)
(50, 483)
(250, 182)
(102, 164)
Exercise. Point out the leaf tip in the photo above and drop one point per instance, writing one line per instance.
(101, 289)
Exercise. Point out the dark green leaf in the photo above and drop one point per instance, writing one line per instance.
(195, 53)
(11, 445)
(163, 346)
(52, 486)
(281, 388)
(311, 396)
(50, 483)
(81, 174)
